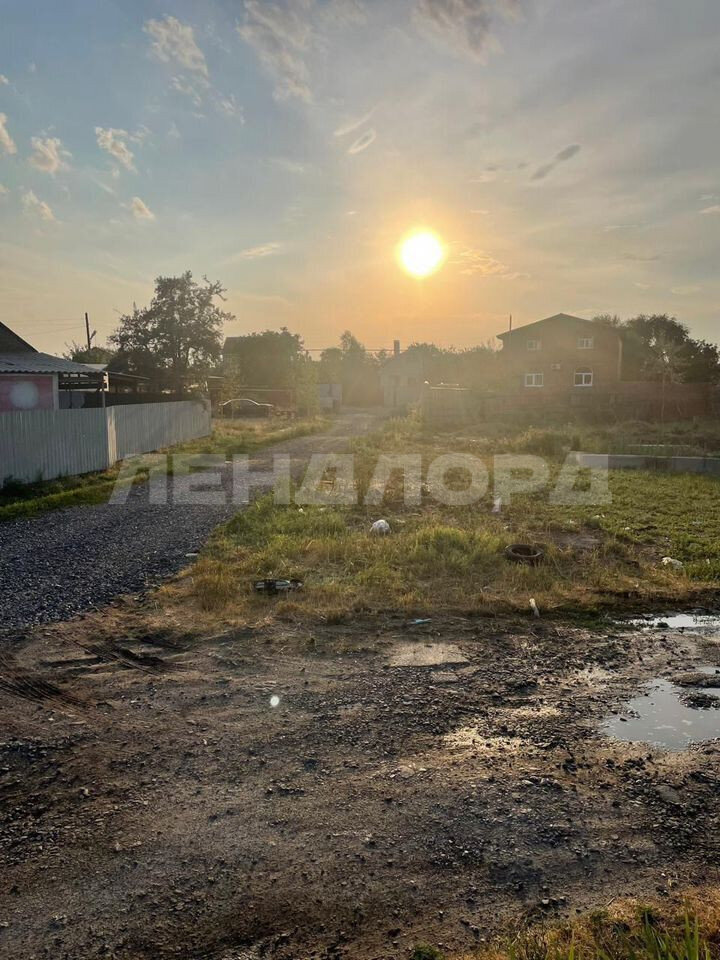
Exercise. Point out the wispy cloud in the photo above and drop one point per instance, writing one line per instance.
(140, 209)
(363, 142)
(256, 253)
(685, 291)
(36, 207)
(173, 41)
(3, 80)
(280, 35)
(7, 144)
(473, 262)
(714, 209)
(112, 141)
(350, 125)
(567, 153)
(465, 25)
(48, 155)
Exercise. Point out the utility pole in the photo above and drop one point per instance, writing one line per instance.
(90, 336)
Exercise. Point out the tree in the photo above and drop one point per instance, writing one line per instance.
(81, 354)
(700, 361)
(665, 364)
(267, 359)
(351, 365)
(178, 335)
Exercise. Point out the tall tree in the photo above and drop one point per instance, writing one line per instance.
(178, 335)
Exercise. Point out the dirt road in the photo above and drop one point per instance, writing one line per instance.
(338, 792)
(61, 563)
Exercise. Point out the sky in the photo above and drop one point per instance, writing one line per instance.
(565, 151)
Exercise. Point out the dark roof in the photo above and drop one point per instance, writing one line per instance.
(10, 342)
(557, 316)
(34, 362)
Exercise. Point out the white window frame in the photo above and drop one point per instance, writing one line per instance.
(584, 375)
(535, 380)
(534, 345)
(586, 343)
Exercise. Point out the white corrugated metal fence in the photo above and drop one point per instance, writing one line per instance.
(44, 444)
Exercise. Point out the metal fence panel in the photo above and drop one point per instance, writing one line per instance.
(44, 444)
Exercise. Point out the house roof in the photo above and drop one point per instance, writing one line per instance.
(35, 362)
(557, 316)
(10, 342)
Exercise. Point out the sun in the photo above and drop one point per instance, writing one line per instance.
(421, 253)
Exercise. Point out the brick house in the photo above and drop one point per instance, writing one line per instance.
(562, 354)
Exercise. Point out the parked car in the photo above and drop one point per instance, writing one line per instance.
(245, 407)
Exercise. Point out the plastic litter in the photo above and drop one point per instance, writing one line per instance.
(271, 585)
(380, 528)
(420, 621)
(534, 607)
(671, 562)
(497, 505)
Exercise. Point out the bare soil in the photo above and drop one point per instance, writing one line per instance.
(342, 791)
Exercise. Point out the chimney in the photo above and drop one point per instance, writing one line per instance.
(396, 348)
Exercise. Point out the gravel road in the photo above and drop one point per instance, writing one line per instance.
(67, 561)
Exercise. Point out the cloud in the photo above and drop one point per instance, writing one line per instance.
(280, 35)
(48, 155)
(567, 153)
(113, 142)
(474, 262)
(465, 25)
(685, 291)
(33, 206)
(140, 210)
(3, 190)
(173, 41)
(228, 106)
(715, 208)
(363, 142)
(351, 125)
(7, 144)
(3, 80)
(256, 253)
(189, 87)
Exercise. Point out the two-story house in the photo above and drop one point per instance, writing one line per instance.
(562, 354)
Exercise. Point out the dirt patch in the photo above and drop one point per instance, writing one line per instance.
(291, 793)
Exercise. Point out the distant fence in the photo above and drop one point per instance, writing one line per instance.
(44, 444)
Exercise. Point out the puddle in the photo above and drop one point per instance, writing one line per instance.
(694, 622)
(660, 717)
(425, 655)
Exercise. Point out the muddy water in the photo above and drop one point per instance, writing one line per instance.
(694, 622)
(659, 717)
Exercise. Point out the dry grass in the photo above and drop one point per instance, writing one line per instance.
(451, 559)
(684, 927)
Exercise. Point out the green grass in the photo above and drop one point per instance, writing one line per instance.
(228, 437)
(444, 558)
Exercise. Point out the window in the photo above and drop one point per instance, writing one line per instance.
(583, 378)
(534, 380)
(534, 345)
(586, 343)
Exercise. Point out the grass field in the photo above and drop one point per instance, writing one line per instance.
(451, 558)
(228, 437)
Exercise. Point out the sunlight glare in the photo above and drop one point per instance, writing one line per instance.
(421, 253)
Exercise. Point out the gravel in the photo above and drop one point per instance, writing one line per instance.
(64, 562)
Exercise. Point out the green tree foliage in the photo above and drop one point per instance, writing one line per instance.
(81, 354)
(355, 368)
(178, 336)
(647, 336)
(267, 359)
